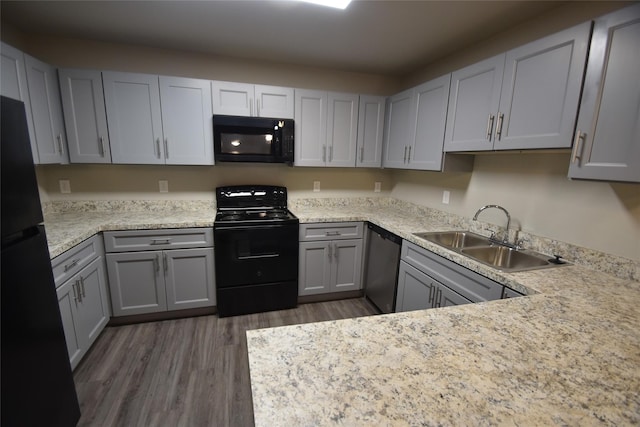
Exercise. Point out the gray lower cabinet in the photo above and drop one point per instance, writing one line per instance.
(330, 260)
(143, 280)
(607, 143)
(81, 284)
(427, 280)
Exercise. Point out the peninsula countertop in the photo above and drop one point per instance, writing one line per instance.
(566, 354)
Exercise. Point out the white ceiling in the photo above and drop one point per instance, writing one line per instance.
(390, 37)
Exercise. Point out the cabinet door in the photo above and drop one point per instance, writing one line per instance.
(93, 309)
(416, 290)
(541, 91)
(133, 115)
(314, 268)
(232, 99)
(398, 131)
(274, 101)
(13, 80)
(85, 117)
(46, 109)
(607, 143)
(346, 265)
(445, 297)
(370, 131)
(473, 104)
(136, 281)
(68, 302)
(342, 129)
(310, 128)
(189, 278)
(186, 121)
(430, 103)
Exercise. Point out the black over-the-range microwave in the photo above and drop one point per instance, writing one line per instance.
(252, 139)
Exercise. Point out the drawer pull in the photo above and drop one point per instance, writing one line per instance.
(160, 241)
(332, 233)
(72, 264)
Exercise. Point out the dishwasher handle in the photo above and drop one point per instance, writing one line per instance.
(385, 234)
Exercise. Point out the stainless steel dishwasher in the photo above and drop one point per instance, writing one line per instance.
(381, 277)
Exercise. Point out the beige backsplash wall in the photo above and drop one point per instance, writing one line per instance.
(534, 188)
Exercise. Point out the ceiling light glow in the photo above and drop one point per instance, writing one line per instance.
(338, 4)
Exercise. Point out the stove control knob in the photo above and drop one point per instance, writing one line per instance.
(258, 273)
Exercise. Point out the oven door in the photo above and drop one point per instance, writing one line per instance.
(252, 254)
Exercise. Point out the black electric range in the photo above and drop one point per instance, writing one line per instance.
(256, 250)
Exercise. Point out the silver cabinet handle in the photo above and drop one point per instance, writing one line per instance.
(330, 250)
(490, 126)
(103, 151)
(75, 293)
(332, 233)
(431, 294)
(60, 146)
(361, 154)
(84, 295)
(164, 241)
(72, 264)
(331, 153)
(258, 107)
(156, 263)
(577, 152)
(164, 259)
(335, 251)
(324, 153)
(499, 126)
(158, 147)
(409, 155)
(404, 159)
(438, 298)
(166, 148)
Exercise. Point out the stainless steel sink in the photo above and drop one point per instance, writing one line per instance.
(455, 239)
(489, 252)
(507, 259)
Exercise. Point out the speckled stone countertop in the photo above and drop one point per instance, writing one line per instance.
(567, 354)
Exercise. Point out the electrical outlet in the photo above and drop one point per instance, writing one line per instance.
(163, 185)
(376, 187)
(65, 186)
(316, 186)
(445, 197)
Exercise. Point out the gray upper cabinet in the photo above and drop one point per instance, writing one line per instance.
(134, 117)
(85, 116)
(397, 134)
(13, 85)
(526, 98)
(607, 143)
(143, 130)
(326, 128)
(416, 126)
(46, 110)
(245, 99)
(186, 121)
(370, 131)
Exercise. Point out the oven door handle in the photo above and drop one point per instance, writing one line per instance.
(258, 256)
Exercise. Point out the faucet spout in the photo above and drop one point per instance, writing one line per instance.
(506, 234)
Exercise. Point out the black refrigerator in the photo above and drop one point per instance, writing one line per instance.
(37, 387)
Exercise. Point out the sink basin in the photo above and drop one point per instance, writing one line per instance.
(455, 239)
(507, 259)
(488, 252)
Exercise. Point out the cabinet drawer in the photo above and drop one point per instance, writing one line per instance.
(330, 231)
(144, 240)
(467, 283)
(70, 262)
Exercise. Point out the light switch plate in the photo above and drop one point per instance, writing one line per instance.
(316, 186)
(65, 186)
(445, 197)
(163, 185)
(376, 187)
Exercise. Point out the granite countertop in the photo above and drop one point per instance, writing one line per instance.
(566, 354)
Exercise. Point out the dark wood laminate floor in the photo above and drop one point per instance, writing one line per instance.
(185, 372)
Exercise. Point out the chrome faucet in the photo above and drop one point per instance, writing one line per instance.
(505, 240)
